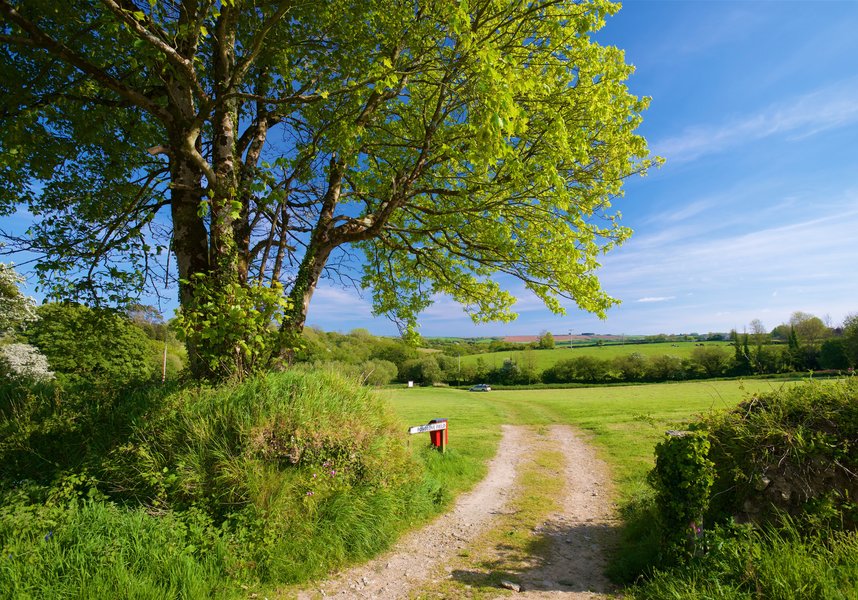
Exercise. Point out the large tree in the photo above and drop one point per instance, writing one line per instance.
(418, 147)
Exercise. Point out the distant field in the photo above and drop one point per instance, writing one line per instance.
(626, 421)
(561, 338)
(547, 358)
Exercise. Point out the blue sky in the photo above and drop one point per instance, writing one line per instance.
(753, 216)
(755, 213)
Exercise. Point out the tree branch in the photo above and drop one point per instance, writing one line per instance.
(255, 45)
(42, 40)
(185, 65)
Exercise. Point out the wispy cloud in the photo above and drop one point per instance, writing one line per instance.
(690, 35)
(766, 272)
(800, 250)
(655, 299)
(692, 209)
(338, 305)
(804, 116)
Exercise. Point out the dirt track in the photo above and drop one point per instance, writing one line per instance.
(577, 534)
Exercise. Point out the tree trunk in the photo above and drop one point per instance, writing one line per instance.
(308, 278)
(318, 250)
(190, 238)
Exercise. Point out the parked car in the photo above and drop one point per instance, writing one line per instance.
(481, 387)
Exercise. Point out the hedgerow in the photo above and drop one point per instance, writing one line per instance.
(284, 477)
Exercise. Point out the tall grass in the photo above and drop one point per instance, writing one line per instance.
(776, 564)
(99, 550)
(195, 492)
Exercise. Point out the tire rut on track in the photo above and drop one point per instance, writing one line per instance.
(578, 532)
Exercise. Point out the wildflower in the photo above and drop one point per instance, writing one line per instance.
(49, 535)
(24, 360)
(310, 493)
(314, 475)
(333, 472)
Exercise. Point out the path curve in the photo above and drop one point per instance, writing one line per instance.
(413, 559)
(579, 531)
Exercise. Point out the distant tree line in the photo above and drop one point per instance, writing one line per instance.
(79, 343)
(804, 343)
(547, 340)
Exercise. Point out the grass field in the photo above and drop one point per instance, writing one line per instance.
(547, 358)
(626, 422)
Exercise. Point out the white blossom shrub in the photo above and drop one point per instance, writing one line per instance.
(16, 309)
(24, 360)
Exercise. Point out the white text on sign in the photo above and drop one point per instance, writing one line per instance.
(430, 427)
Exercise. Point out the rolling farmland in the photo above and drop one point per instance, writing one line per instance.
(547, 358)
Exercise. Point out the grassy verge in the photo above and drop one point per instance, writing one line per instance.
(778, 564)
(208, 492)
(100, 550)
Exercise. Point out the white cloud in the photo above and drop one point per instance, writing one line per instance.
(334, 304)
(655, 299)
(804, 116)
(691, 209)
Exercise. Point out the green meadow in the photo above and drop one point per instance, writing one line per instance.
(625, 421)
(544, 359)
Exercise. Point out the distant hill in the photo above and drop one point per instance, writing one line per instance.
(558, 337)
(544, 359)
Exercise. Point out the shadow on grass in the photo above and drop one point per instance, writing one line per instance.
(49, 430)
(560, 557)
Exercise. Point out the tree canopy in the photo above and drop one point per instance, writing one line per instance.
(92, 345)
(413, 148)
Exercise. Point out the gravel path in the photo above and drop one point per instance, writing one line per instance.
(578, 532)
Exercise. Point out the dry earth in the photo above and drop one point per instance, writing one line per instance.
(577, 534)
(580, 531)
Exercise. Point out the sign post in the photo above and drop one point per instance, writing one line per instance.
(437, 430)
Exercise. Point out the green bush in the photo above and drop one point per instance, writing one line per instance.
(378, 372)
(47, 429)
(793, 450)
(287, 476)
(682, 478)
(424, 370)
(92, 345)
